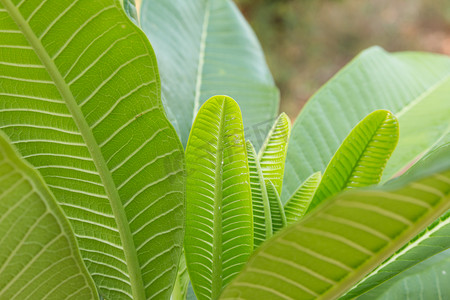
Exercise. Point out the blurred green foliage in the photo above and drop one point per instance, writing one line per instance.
(307, 41)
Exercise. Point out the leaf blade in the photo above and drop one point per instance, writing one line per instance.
(219, 233)
(30, 216)
(376, 223)
(276, 208)
(223, 58)
(361, 158)
(298, 204)
(87, 123)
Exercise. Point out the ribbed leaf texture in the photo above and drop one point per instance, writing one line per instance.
(80, 99)
(180, 288)
(39, 258)
(276, 208)
(298, 204)
(262, 220)
(272, 155)
(433, 240)
(219, 232)
(206, 48)
(412, 85)
(333, 247)
(361, 158)
(427, 280)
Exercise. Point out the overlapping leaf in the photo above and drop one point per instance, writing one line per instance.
(262, 219)
(272, 155)
(334, 246)
(298, 204)
(80, 99)
(206, 48)
(39, 257)
(361, 158)
(414, 86)
(219, 233)
(276, 208)
(433, 240)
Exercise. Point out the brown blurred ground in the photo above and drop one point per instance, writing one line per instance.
(307, 41)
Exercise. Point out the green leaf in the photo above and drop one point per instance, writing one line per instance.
(434, 239)
(333, 247)
(181, 283)
(414, 86)
(272, 155)
(219, 233)
(80, 99)
(39, 257)
(427, 280)
(130, 9)
(361, 158)
(206, 48)
(262, 219)
(276, 208)
(298, 204)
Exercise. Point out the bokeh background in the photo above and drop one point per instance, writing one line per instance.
(307, 41)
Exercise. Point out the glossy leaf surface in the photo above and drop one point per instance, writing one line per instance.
(414, 86)
(361, 158)
(333, 247)
(298, 204)
(272, 155)
(80, 99)
(206, 48)
(219, 232)
(262, 219)
(39, 257)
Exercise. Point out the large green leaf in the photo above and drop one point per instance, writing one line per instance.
(206, 48)
(298, 204)
(39, 257)
(427, 280)
(435, 239)
(414, 86)
(272, 155)
(361, 158)
(262, 219)
(334, 246)
(219, 233)
(80, 99)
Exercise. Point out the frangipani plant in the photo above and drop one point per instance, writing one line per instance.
(99, 199)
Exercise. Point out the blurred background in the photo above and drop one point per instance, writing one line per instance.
(307, 41)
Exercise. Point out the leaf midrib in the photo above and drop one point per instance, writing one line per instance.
(128, 246)
(216, 280)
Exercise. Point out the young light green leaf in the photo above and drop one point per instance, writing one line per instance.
(80, 99)
(180, 288)
(333, 247)
(276, 208)
(427, 280)
(361, 158)
(262, 219)
(206, 48)
(298, 204)
(219, 232)
(412, 85)
(272, 155)
(39, 256)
